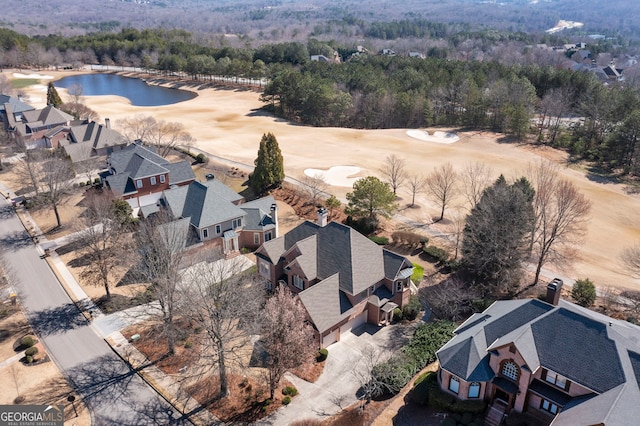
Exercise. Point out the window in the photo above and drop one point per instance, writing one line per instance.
(265, 270)
(454, 384)
(162, 179)
(205, 233)
(399, 286)
(153, 180)
(139, 183)
(474, 390)
(556, 379)
(218, 229)
(549, 406)
(373, 288)
(256, 238)
(510, 370)
(267, 236)
(237, 223)
(298, 282)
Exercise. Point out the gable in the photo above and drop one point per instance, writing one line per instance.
(515, 319)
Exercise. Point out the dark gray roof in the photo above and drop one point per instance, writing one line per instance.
(120, 184)
(98, 135)
(591, 349)
(119, 160)
(358, 261)
(393, 264)
(597, 367)
(47, 116)
(139, 167)
(202, 203)
(325, 303)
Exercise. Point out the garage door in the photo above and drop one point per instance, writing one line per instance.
(354, 323)
(330, 338)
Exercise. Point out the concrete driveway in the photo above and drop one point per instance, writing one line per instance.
(338, 385)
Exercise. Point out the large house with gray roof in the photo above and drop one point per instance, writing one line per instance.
(219, 215)
(139, 175)
(35, 124)
(86, 139)
(561, 362)
(342, 278)
(11, 110)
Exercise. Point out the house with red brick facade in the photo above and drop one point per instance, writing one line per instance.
(139, 175)
(342, 278)
(563, 363)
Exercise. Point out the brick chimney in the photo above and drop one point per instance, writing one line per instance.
(107, 123)
(274, 218)
(322, 216)
(554, 289)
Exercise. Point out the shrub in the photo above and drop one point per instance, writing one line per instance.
(88, 183)
(290, 391)
(412, 309)
(410, 239)
(81, 184)
(397, 314)
(436, 253)
(286, 400)
(584, 292)
(202, 159)
(27, 342)
(31, 351)
(96, 181)
(188, 344)
(322, 355)
(420, 392)
(29, 359)
(381, 241)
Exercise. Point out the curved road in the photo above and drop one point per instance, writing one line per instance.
(115, 394)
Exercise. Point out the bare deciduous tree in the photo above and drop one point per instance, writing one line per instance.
(441, 185)
(561, 216)
(29, 169)
(630, 258)
(102, 239)
(287, 339)
(161, 134)
(57, 176)
(315, 186)
(225, 303)
(363, 373)
(475, 178)
(393, 171)
(448, 300)
(416, 186)
(160, 243)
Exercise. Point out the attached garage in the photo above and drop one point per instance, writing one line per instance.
(330, 338)
(354, 323)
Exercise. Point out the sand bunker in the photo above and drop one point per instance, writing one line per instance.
(38, 76)
(336, 175)
(437, 137)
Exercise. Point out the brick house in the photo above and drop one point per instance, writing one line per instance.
(139, 175)
(561, 362)
(342, 278)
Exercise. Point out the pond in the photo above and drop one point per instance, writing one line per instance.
(137, 91)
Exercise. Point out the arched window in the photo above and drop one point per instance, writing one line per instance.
(510, 370)
(474, 390)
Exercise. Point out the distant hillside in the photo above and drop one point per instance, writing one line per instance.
(280, 19)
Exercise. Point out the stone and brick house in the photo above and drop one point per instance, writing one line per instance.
(342, 278)
(561, 362)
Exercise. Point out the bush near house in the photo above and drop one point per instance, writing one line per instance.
(427, 392)
(290, 391)
(438, 254)
(392, 375)
(322, 355)
(27, 342)
(411, 310)
(31, 351)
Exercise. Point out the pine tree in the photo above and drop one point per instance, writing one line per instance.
(52, 96)
(269, 170)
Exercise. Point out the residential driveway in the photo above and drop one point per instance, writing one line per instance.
(338, 385)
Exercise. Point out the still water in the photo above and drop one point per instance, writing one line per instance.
(137, 91)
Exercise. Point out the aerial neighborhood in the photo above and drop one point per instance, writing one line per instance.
(368, 219)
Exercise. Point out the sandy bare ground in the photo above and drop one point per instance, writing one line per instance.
(227, 122)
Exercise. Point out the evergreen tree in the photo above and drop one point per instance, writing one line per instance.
(269, 170)
(52, 96)
(494, 244)
(370, 197)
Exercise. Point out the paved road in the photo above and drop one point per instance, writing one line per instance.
(114, 393)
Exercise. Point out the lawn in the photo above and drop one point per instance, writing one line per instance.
(418, 273)
(21, 83)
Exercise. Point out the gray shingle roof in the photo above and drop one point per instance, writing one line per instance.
(325, 303)
(98, 135)
(179, 172)
(393, 264)
(593, 350)
(47, 116)
(202, 203)
(259, 214)
(119, 160)
(15, 104)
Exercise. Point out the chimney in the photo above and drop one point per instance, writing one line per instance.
(322, 216)
(274, 218)
(107, 123)
(553, 291)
